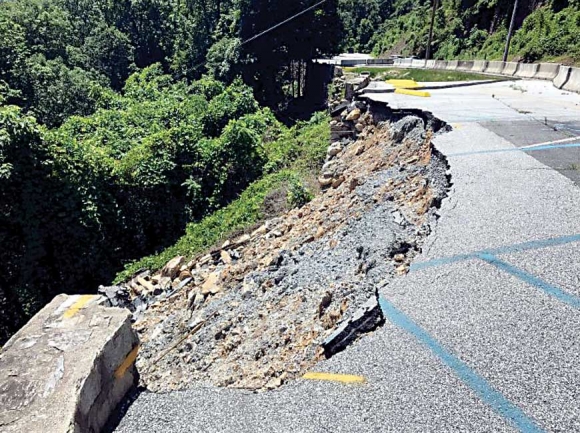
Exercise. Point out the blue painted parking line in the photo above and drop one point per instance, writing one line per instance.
(524, 246)
(496, 400)
(516, 149)
(532, 280)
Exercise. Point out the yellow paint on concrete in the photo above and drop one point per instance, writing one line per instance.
(128, 362)
(78, 305)
(404, 84)
(456, 125)
(421, 93)
(344, 378)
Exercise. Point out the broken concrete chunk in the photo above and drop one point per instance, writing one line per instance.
(75, 374)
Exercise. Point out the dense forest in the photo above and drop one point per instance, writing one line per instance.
(127, 124)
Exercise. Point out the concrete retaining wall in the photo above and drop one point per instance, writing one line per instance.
(547, 71)
(494, 67)
(527, 70)
(452, 64)
(510, 68)
(573, 82)
(440, 64)
(479, 65)
(68, 368)
(562, 77)
(465, 65)
(431, 64)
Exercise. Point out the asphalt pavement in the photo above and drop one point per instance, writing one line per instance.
(483, 333)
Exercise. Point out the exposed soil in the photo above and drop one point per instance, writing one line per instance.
(255, 313)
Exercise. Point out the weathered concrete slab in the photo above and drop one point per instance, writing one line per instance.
(68, 368)
(465, 65)
(573, 82)
(547, 71)
(510, 68)
(562, 77)
(418, 63)
(452, 64)
(527, 70)
(494, 67)
(479, 65)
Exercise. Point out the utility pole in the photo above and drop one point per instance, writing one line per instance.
(428, 53)
(510, 31)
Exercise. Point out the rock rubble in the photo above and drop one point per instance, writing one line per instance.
(266, 305)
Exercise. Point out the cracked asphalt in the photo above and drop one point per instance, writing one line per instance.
(483, 333)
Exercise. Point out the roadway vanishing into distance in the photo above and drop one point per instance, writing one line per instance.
(483, 333)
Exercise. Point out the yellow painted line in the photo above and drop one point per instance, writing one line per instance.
(128, 362)
(344, 378)
(405, 84)
(78, 305)
(421, 93)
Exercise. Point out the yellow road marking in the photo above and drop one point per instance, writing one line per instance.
(421, 93)
(405, 84)
(78, 305)
(128, 362)
(344, 378)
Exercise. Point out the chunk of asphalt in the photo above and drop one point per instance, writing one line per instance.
(366, 319)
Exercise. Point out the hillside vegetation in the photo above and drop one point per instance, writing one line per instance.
(545, 30)
(122, 122)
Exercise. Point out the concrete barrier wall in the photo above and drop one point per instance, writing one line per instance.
(379, 62)
(68, 368)
(510, 68)
(562, 77)
(494, 67)
(573, 82)
(527, 70)
(350, 62)
(479, 65)
(418, 63)
(405, 63)
(547, 71)
(465, 65)
(452, 64)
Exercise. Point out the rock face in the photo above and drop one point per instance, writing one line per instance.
(269, 304)
(68, 368)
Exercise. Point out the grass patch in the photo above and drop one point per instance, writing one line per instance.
(294, 158)
(424, 75)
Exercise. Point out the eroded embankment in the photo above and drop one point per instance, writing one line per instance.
(266, 306)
